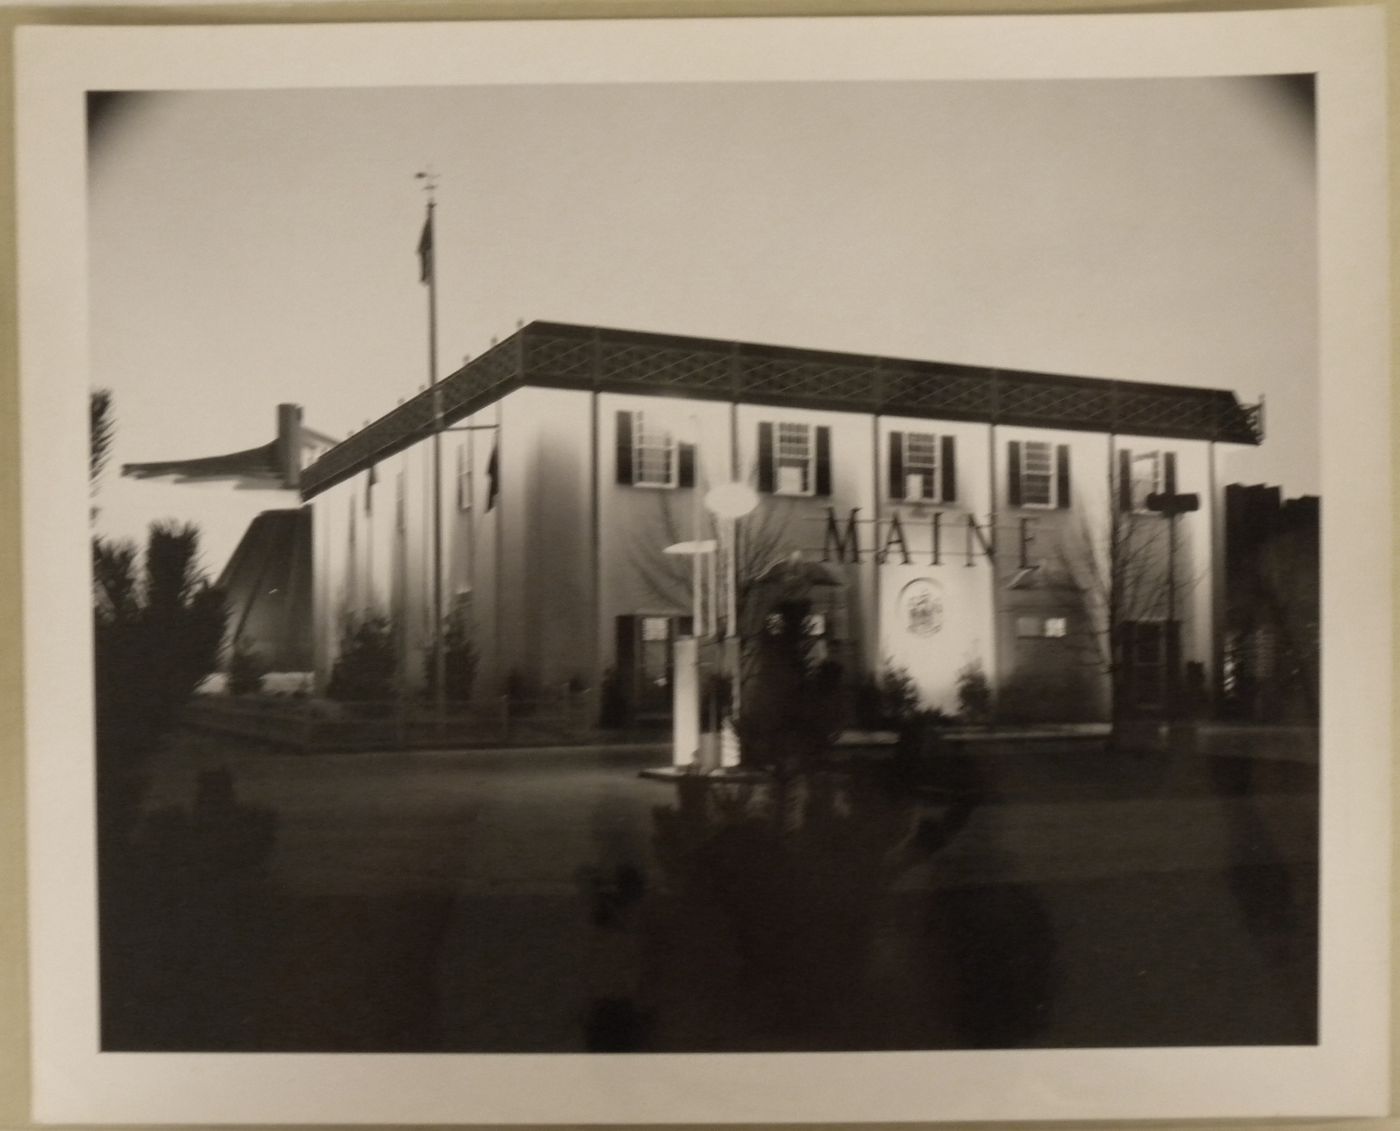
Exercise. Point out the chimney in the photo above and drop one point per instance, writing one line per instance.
(289, 444)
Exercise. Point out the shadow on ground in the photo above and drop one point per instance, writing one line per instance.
(739, 935)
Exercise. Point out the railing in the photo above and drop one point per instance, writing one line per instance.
(618, 360)
(475, 385)
(319, 725)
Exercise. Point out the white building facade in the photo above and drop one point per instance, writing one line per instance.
(966, 520)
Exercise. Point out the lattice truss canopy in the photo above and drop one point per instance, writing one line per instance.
(556, 355)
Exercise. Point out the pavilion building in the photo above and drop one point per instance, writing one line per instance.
(1043, 530)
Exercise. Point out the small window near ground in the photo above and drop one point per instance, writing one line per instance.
(1037, 627)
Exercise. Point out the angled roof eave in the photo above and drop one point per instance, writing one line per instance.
(562, 355)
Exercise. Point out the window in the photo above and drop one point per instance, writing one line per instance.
(1144, 477)
(643, 661)
(1036, 627)
(794, 459)
(1141, 474)
(654, 454)
(352, 561)
(1038, 474)
(648, 454)
(922, 467)
(1146, 660)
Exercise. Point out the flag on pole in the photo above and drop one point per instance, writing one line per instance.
(492, 475)
(425, 251)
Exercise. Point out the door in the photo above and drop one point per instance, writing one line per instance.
(645, 645)
(1150, 654)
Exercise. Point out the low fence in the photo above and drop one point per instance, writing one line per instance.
(316, 725)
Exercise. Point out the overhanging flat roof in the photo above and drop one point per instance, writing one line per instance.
(558, 355)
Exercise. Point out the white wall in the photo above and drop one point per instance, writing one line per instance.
(567, 549)
(961, 589)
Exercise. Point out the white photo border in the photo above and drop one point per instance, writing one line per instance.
(1346, 1073)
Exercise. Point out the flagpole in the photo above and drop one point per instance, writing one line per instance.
(428, 251)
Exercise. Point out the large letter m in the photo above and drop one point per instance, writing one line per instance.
(844, 544)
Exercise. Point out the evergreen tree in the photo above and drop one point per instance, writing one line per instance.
(158, 627)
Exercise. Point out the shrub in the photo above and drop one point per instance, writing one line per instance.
(459, 661)
(888, 701)
(974, 694)
(158, 628)
(366, 667)
(899, 695)
(246, 668)
(612, 702)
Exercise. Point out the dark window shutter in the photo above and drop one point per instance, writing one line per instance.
(823, 460)
(685, 626)
(685, 472)
(949, 468)
(624, 447)
(1013, 472)
(1169, 472)
(765, 457)
(896, 465)
(1125, 481)
(1062, 492)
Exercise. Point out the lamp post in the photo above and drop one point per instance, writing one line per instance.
(685, 661)
(1172, 506)
(730, 502)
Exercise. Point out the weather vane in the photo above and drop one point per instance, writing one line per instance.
(430, 181)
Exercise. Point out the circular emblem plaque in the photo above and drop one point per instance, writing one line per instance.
(921, 607)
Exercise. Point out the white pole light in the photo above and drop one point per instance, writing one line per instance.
(731, 500)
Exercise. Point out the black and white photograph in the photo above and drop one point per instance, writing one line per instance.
(709, 566)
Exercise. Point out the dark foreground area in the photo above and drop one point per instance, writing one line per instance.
(551, 901)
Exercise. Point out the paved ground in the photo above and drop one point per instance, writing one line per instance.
(473, 901)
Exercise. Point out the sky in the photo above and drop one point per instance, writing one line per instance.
(248, 248)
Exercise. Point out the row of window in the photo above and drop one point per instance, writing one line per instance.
(795, 459)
